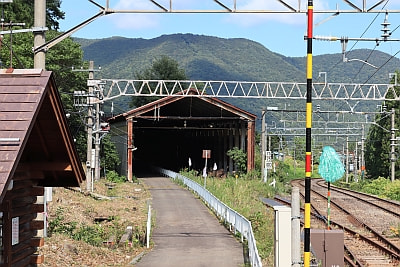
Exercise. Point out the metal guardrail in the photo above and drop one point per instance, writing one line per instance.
(236, 221)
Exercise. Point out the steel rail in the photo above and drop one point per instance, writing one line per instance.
(350, 259)
(391, 249)
(354, 195)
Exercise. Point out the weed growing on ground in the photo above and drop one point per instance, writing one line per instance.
(114, 177)
(382, 187)
(395, 230)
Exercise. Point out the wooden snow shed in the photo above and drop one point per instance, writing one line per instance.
(169, 131)
(36, 151)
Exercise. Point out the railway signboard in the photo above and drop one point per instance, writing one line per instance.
(268, 160)
(206, 154)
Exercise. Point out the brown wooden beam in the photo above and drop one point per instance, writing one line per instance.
(250, 145)
(130, 149)
(37, 225)
(37, 259)
(28, 175)
(45, 166)
(37, 242)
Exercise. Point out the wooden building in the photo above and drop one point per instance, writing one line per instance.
(169, 131)
(36, 151)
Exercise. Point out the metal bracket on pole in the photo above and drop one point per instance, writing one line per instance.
(46, 46)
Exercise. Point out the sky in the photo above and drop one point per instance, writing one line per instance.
(282, 33)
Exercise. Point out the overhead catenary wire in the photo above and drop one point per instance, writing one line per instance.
(364, 32)
(376, 44)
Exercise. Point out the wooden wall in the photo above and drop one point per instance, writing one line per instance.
(23, 206)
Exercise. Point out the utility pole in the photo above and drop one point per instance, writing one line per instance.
(93, 126)
(39, 36)
(263, 147)
(362, 154)
(97, 144)
(347, 159)
(355, 168)
(392, 147)
(89, 178)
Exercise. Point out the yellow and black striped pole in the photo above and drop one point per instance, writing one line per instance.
(307, 193)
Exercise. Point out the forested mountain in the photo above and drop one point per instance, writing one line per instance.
(213, 58)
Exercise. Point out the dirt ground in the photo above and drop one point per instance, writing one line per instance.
(72, 209)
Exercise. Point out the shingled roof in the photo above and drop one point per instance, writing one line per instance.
(35, 140)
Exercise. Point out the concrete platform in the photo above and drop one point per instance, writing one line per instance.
(186, 232)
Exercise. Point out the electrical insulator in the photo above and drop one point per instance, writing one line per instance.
(385, 30)
(105, 126)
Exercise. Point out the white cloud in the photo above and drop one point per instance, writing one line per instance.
(134, 21)
(248, 20)
(283, 15)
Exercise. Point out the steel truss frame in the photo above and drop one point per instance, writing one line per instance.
(113, 88)
(328, 123)
(234, 7)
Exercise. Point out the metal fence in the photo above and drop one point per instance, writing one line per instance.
(237, 223)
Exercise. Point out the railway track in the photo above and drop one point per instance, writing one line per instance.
(365, 220)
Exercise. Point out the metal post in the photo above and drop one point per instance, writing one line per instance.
(97, 145)
(362, 154)
(39, 36)
(205, 170)
(392, 147)
(263, 148)
(148, 228)
(294, 160)
(343, 153)
(308, 172)
(89, 131)
(355, 170)
(347, 159)
(296, 255)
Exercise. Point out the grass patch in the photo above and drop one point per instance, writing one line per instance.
(382, 187)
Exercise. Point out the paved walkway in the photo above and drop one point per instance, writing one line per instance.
(186, 233)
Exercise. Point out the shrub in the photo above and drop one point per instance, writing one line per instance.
(59, 225)
(239, 157)
(93, 235)
(392, 190)
(114, 177)
(376, 187)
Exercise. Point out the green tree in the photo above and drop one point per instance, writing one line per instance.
(377, 145)
(300, 147)
(23, 10)
(163, 68)
(59, 59)
(239, 158)
(110, 159)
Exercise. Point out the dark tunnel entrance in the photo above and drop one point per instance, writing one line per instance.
(172, 147)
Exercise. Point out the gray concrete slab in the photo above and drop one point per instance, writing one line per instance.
(186, 232)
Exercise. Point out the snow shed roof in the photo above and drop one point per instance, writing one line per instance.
(35, 140)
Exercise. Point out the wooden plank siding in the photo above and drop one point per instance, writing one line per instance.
(22, 201)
